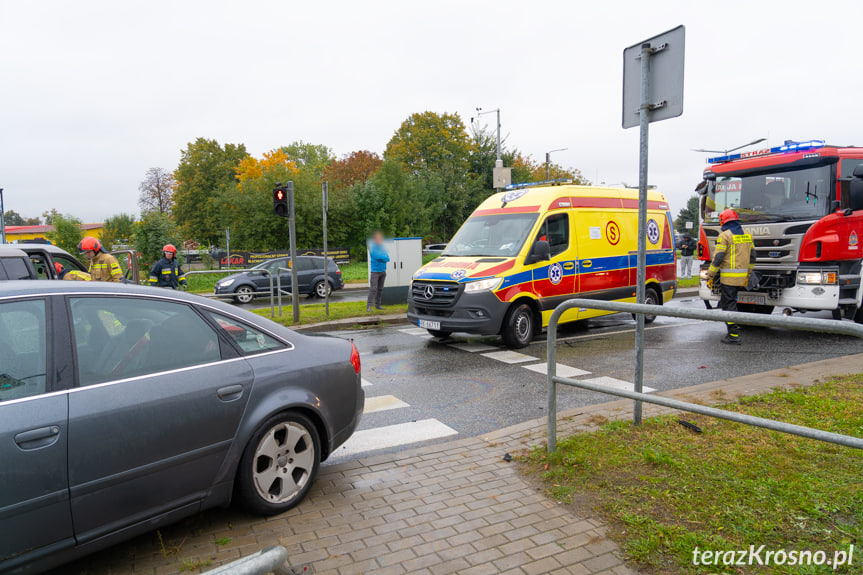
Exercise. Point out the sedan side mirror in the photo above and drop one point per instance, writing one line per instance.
(540, 252)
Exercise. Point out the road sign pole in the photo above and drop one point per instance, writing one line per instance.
(641, 275)
(324, 199)
(292, 233)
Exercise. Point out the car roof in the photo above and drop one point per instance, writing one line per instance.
(50, 248)
(11, 252)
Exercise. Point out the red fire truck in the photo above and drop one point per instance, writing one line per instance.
(802, 203)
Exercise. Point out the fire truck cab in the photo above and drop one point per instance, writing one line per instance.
(802, 203)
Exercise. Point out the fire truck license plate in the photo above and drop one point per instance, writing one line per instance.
(753, 299)
(430, 324)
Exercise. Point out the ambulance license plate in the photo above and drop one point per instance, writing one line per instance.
(753, 299)
(424, 323)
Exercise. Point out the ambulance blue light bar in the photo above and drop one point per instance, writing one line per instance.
(537, 184)
(786, 147)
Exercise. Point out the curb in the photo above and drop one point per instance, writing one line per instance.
(365, 321)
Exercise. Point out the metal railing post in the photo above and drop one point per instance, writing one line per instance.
(797, 323)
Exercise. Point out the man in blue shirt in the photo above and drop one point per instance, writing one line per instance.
(378, 258)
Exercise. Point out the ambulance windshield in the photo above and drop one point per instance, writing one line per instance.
(776, 196)
(491, 235)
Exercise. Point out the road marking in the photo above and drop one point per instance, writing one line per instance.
(616, 383)
(394, 435)
(595, 335)
(415, 331)
(473, 347)
(383, 403)
(562, 370)
(366, 383)
(508, 356)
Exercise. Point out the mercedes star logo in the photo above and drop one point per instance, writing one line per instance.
(429, 292)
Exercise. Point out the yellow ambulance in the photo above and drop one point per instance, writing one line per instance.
(526, 250)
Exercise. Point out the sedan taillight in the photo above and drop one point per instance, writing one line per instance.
(355, 358)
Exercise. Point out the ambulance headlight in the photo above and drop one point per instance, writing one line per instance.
(226, 283)
(482, 285)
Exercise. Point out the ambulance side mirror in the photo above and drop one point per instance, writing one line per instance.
(540, 252)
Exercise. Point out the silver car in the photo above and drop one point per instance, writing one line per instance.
(125, 408)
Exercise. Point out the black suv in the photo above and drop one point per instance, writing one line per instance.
(15, 265)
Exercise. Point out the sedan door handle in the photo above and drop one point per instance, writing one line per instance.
(36, 438)
(230, 393)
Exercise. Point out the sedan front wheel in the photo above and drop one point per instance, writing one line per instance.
(279, 465)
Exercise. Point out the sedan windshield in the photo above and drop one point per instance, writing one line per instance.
(771, 197)
(492, 235)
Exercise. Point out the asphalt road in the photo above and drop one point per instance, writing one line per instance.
(423, 390)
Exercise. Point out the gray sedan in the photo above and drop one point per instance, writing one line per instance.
(125, 408)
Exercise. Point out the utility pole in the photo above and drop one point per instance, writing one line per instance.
(2, 219)
(501, 176)
(548, 161)
(324, 199)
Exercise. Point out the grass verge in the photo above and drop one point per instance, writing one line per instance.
(314, 313)
(665, 490)
(692, 282)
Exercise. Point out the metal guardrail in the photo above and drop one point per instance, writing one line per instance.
(797, 323)
(269, 560)
(234, 271)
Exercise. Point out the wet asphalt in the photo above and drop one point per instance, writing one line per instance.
(474, 394)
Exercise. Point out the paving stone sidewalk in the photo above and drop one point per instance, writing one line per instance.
(447, 508)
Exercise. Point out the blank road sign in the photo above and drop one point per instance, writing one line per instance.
(665, 80)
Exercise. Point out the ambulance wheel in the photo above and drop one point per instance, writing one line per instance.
(650, 298)
(440, 334)
(518, 326)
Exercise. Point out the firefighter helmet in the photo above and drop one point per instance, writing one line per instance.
(170, 248)
(59, 267)
(728, 216)
(90, 243)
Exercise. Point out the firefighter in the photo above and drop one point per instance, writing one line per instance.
(167, 272)
(103, 266)
(71, 275)
(733, 262)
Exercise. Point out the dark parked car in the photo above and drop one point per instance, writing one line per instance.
(310, 279)
(124, 408)
(15, 264)
(42, 258)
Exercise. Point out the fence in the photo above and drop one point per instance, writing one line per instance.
(264, 271)
(798, 323)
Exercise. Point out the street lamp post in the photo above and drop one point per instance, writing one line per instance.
(479, 112)
(548, 161)
(501, 176)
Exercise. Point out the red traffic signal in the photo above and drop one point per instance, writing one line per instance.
(280, 202)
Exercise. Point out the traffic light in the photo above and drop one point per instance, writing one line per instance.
(280, 201)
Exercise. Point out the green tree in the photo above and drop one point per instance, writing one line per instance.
(312, 157)
(13, 218)
(67, 232)
(688, 213)
(206, 171)
(118, 229)
(151, 234)
(427, 140)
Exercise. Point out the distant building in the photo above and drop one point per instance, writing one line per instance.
(23, 234)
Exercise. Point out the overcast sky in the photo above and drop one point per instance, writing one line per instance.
(95, 93)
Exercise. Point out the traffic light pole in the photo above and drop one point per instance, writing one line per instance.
(292, 232)
(324, 198)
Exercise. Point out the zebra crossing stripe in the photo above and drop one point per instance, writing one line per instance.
(561, 371)
(616, 383)
(393, 436)
(509, 356)
(383, 403)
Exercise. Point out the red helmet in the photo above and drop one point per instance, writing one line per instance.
(90, 243)
(170, 248)
(58, 267)
(728, 215)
